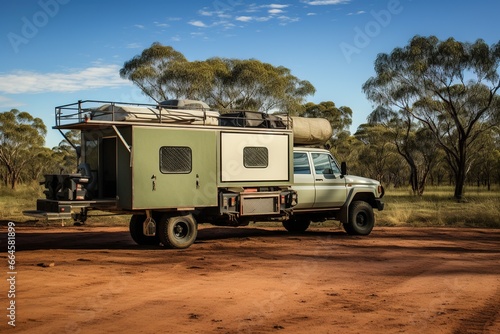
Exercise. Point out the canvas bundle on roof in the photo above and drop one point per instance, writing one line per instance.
(170, 111)
(306, 131)
(252, 119)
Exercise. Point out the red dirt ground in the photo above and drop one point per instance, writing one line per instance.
(255, 280)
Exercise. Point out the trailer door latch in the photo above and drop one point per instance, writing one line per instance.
(153, 180)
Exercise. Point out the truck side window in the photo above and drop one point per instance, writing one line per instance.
(324, 164)
(175, 160)
(301, 163)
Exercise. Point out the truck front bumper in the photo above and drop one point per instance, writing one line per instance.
(379, 204)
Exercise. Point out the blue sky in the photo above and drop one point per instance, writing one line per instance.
(55, 52)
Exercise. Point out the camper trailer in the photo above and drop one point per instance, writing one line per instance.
(171, 166)
(178, 163)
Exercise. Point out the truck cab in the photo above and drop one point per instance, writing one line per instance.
(325, 191)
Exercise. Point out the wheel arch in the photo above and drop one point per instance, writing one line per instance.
(357, 194)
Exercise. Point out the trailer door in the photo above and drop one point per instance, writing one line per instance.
(108, 167)
(173, 168)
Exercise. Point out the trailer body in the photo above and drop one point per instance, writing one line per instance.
(159, 163)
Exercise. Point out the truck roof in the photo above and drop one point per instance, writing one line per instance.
(309, 149)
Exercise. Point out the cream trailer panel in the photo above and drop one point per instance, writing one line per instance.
(254, 157)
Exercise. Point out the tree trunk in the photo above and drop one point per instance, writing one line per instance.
(459, 185)
(460, 174)
(414, 179)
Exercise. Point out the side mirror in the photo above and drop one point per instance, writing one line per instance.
(343, 168)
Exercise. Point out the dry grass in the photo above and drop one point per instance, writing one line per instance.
(437, 207)
(14, 202)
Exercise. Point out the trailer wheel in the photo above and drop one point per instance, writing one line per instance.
(361, 219)
(177, 231)
(296, 224)
(136, 231)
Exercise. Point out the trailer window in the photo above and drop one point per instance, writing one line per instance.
(255, 157)
(175, 159)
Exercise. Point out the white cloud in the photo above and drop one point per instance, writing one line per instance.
(161, 25)
(6, 102)
(263, 18)
(325, 2)
(275, 11)
(134, 46)
(19, 82)
(205, 12)
(140, 26)
(244, 18)
(198, 23)
(277, 6)
(286, 19)
(359, 12)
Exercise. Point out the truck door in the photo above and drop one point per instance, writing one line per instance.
(330, 188)
(303, 180)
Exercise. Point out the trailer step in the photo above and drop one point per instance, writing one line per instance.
(47, 215)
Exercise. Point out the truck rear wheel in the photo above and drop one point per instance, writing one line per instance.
(177, 231)
(361, 219)
(137, 234)
(296, 224)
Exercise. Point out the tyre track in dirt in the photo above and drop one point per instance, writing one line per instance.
(259, 280)
(481, 319)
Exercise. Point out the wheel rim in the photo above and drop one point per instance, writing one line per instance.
(361, 219)
(181, 230)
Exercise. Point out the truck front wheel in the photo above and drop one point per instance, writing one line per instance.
(177, 231)
(296, 224)
(361, 219)
(137, 234)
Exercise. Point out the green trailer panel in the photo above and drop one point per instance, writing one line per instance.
(174, 168)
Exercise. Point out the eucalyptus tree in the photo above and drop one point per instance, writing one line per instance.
(413, 142)
(448, 86)
(21, 135)
(339, 117)
(487, 160)
(152, 70)
(162, 73)
(377, 151)
(64, 155)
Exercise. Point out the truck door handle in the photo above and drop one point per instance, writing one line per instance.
(319, 179)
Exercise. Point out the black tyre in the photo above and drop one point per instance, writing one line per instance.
(177, 231)
(136, 231)
(361, 219)
(296, 224)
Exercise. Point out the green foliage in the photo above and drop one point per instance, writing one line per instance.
(339, 118)
(450, 87)
(162, 73)
(21, 138)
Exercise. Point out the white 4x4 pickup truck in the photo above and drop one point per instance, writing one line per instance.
(325, 191)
